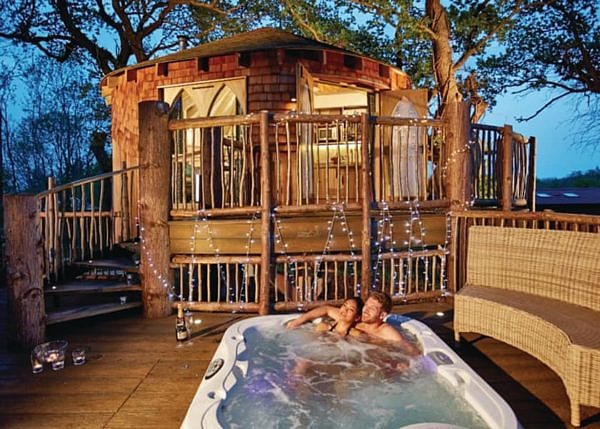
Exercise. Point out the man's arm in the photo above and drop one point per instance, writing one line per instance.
(389, 333)
(324, 310)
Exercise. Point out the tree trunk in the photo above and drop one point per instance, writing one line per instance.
(458, 180)
(505, 176)
(443, 66)
(26, 310)
(154, 197)
(98, 148)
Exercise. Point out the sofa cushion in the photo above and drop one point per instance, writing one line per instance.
(580, 324)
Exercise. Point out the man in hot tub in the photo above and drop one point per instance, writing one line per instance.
(374, 312)
(371, 324)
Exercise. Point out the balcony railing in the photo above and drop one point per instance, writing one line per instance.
(490, 167)
(335, 175)
(350, 200)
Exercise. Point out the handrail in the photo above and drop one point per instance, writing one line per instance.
(83, 219)
(84, 181)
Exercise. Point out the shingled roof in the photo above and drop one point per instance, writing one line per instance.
(256, 40)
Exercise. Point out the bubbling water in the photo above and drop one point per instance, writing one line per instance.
(303, 379)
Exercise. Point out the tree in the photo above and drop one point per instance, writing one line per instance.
(453, 47)
(557, 47)
(51, 138)
(108, 33)
(112, 34)
(431, 42)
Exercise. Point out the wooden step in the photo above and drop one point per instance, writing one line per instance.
(122, 264)
(93, 286)
(129, 246)
(87, 311)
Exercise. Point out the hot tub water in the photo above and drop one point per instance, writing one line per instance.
(310, 380)
(266, 376)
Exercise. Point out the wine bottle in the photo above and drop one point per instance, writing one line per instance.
(181, 331)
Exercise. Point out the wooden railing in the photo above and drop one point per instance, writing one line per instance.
(264, 173)
(81, 220)
(461, 221)
(215, 163)
(315, 160)
(318, 167)
(502, 159)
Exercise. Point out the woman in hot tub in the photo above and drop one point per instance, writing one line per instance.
(339, 320)
(368, 323)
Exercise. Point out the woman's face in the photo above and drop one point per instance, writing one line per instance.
(349, 310)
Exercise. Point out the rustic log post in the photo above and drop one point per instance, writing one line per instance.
(506, 171)
(154, 197)
(265, 228)
(459, 176)
(125, 205)
(366, 173)
(26, 311)
(49, 231)
(458, 171)
(531, 185)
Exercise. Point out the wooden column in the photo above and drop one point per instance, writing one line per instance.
(154, 201)
(366, 173)
(458, 173)
(506, 169)
(459, 176)
(26, 311)
(531, 184)
(265, 213)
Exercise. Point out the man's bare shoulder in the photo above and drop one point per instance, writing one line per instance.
(388, 332)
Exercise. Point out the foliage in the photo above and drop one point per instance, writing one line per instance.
(109, 33)
(52, 137)
(577, 179)
(555, 46)
(496, 44)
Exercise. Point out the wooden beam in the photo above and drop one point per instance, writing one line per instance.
(26, 312)
(365, 169)
(155, 175)
(506, 168)
(458, 159)
(266, 230)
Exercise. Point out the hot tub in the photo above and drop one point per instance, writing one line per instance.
(249, 386)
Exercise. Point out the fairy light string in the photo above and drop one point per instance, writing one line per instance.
(149, 260)
(384, 242)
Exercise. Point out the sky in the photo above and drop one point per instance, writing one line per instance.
(557, 156)
(554, 132)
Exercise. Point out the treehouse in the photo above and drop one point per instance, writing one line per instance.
(267, 172)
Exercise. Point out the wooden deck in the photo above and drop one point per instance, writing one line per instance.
(137, 376)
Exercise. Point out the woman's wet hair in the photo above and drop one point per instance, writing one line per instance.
(359, 303)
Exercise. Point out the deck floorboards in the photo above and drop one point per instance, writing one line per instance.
(137, 376)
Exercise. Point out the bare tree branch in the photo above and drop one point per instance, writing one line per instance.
(544, 107)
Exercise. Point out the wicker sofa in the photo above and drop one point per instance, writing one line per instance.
(539, 291)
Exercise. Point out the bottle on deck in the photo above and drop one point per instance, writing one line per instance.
(181, 331)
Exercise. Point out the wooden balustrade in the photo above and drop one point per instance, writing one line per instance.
(81, 220)
(259, 169)
(502, 159)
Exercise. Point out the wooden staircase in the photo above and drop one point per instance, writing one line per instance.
(97, 286)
